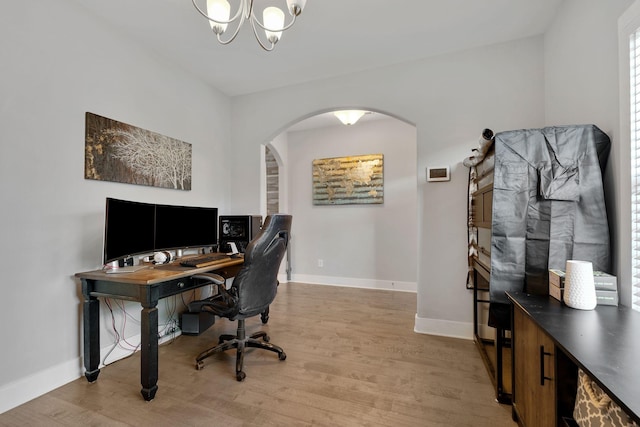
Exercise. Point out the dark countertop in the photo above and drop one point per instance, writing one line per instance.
(604, 342)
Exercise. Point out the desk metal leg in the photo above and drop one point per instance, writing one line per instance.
(91, 332)
(149, 351)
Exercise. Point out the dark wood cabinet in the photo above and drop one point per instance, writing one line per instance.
(552, 341)
(533, 373)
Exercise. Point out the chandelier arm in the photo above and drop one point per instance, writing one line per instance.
(230, 21)
(249, 8)
(255, 19)
(255, 34)
(246, 10)
(232, 38)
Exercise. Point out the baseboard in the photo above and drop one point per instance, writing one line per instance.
(389, 285)
(445, 328)
(28, 388)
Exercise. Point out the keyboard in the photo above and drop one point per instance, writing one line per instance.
(203, 260)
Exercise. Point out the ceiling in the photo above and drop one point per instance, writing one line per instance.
(329, 39)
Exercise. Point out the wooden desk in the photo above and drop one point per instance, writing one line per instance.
(145, 286)
(603, 342)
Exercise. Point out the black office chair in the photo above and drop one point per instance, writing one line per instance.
(252, 291)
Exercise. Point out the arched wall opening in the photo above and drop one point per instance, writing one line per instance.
(369, 246)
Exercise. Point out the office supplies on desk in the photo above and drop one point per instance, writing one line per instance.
(203, 260)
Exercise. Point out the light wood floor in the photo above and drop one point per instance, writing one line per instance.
(352, 360)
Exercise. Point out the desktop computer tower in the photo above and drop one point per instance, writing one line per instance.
(240, 229)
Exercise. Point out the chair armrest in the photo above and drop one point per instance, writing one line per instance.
(210, 277)
(218, 303)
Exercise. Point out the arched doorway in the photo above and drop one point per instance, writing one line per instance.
(352, 245)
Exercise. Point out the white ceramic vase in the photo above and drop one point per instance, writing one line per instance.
(579, 288)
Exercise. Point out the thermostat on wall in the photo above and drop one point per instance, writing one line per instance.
(438, 174)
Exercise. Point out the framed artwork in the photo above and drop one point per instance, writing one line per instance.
(348, 180)
(119, 152)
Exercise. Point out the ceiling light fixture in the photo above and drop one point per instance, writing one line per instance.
(349, 117)
(273, 19)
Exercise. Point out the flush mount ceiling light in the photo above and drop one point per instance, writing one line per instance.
(349, 117)
(273, 19)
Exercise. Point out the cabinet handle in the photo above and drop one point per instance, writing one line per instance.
(542, 355)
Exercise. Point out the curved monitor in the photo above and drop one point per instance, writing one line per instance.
(182, 227)
(133, 228)
(129, 229)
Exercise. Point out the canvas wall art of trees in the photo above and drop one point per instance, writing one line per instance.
(119, 152)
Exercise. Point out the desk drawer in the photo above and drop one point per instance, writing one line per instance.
(176, 286)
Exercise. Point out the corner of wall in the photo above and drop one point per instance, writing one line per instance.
(444, 328)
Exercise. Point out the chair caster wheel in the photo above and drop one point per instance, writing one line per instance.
(282, 356)
(240, 376)
(199, 365)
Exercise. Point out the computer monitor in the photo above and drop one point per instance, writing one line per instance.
(183, 227)
(129, 229)
(133, 228)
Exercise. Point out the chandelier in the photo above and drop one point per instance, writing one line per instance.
(273, 20)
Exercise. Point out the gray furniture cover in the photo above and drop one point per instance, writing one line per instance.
(548, 207)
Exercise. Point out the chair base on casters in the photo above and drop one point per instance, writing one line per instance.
(239, 342)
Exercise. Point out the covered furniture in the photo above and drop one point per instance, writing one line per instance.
(548, 207)
(536, 199)
(252, 291)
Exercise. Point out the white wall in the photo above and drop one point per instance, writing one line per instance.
(450, 98)
(581, 86)
(58, 63)
(360, 245)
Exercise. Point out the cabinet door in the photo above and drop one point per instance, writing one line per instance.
(534, 372)
(546, 411)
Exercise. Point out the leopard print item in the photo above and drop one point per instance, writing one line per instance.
(595, 409)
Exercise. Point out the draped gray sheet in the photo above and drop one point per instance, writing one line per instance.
(548, 207)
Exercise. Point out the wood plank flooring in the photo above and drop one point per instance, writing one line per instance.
(352, 360)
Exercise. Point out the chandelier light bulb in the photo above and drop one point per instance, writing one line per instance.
(273, 19)
(296, 6)
(218, 10)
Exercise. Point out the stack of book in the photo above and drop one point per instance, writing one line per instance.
(556, 284)
(606, 286)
